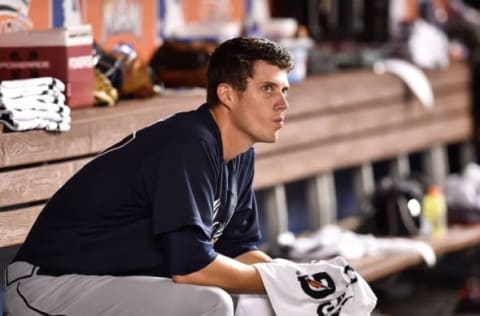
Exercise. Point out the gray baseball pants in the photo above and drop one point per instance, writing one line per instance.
(28, 293)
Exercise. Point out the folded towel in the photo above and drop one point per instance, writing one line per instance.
(29, 91)
(34, 124)
(28, 115)
(59, 98)
(322, 288)
(46, 82)
(36, 103)
(24, 104)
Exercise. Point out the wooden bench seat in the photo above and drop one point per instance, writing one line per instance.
(349, 119)
(378, 266)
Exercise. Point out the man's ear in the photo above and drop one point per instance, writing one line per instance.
(225, 94)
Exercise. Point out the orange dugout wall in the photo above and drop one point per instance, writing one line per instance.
(137, 22)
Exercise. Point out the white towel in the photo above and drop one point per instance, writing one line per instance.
(332, 240)
(23, 102)
(29, 91)
(28, 115)
(40, 107)
(46, 82)
(37, 103)
(322, 288)
(34, 124)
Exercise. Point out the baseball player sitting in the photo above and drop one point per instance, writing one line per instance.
(165, 221)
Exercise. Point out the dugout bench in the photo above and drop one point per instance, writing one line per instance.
(348, 119)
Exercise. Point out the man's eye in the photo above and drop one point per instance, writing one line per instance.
(268, 88)
(285, 92)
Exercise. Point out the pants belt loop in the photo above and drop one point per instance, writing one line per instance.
(18, 271)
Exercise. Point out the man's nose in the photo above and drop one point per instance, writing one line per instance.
(282, 103)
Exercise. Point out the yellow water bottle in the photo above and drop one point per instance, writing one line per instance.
(434, 212)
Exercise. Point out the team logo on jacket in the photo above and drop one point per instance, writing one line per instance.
(217, 226)
(320, 285)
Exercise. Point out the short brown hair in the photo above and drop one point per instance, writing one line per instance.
(232, 62)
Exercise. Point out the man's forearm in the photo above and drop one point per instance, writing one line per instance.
(229, 274)
(254, 256)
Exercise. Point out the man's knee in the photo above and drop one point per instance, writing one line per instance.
(215, 301)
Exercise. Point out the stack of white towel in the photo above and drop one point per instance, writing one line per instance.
(37, 103)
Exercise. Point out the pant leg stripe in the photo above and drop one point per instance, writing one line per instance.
(30, 306)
